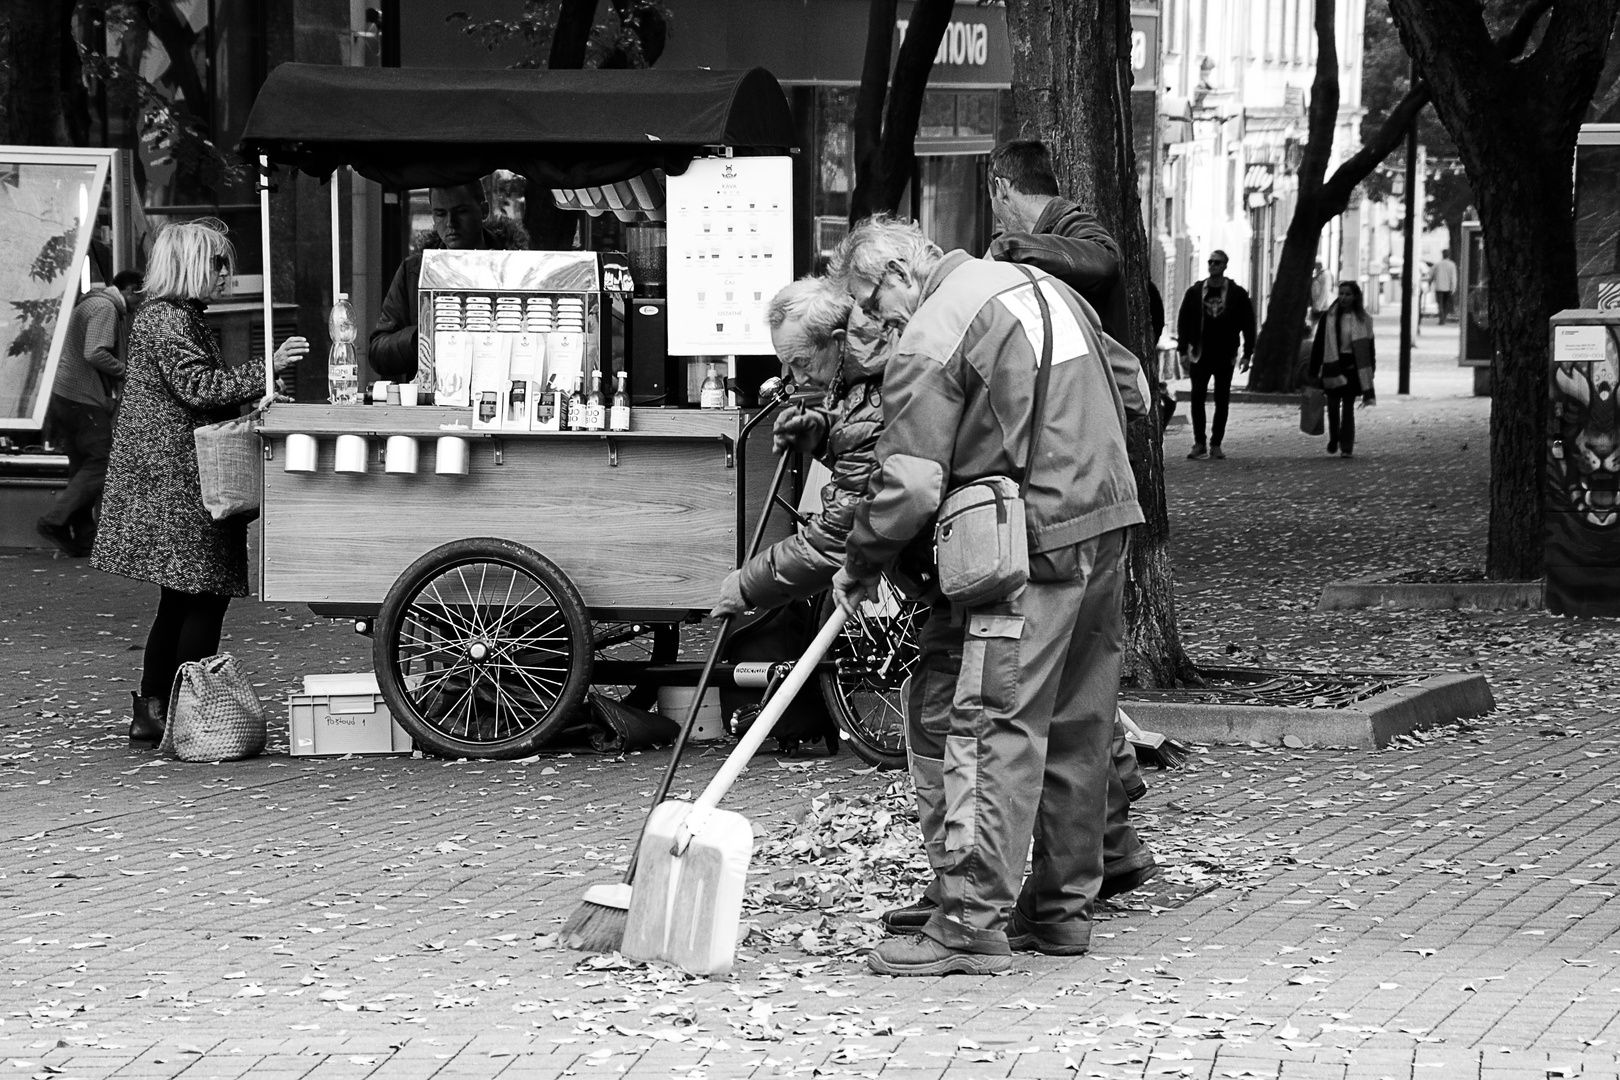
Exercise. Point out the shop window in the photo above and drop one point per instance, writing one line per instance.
(938, 120)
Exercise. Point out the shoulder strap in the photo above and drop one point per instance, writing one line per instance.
(1043, 375)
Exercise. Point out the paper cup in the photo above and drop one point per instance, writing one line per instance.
(450, 456)
(407, 394)
(379, 391)
(300, 454)
(401, 456)
(351, 454)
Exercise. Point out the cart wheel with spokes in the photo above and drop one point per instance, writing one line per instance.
(483, 649)
(874, 655)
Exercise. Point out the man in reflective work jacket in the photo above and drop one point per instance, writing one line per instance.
(1012, 710)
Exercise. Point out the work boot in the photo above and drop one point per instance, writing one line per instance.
(146, 727)
(922, 955)
(1126, 880)
(909, 919)
(1020, 940)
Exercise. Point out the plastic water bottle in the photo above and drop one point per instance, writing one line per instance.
(342, 371)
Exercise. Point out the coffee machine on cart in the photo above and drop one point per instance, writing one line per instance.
(504, 557)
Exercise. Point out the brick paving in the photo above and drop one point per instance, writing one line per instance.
(1440, 909)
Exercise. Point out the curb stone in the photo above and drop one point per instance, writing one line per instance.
(1366, 725)
(1377, 591)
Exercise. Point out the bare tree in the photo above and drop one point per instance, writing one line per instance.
(1079, 109)
(1515, 123)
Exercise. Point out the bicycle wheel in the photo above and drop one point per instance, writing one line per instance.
(482, 649)
(635, 643)
(874, 655)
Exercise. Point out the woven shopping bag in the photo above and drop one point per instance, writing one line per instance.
(214, 715)
(230, 467)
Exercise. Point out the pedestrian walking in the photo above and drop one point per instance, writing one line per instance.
(79, 418)
(154, 526)
(1009, 721)
(1343, 360)
(1443, 279)
(1216, 315)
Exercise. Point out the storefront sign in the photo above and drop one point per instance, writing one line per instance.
(963, 43)
(1144, 49)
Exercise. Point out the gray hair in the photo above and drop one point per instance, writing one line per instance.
(815, 305)
(186, 259)
(873, 242)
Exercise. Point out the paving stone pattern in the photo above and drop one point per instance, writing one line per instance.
(1440, 909)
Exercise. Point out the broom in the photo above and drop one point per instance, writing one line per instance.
(597, 925)
(1153, 747)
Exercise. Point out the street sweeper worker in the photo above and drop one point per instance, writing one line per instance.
(826, 344)
(1010, 719)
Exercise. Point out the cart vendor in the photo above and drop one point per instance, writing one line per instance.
(461, 222)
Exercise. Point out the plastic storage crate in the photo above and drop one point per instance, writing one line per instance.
(342, 714)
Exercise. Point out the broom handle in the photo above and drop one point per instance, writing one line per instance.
(761, 728)
(708, 669)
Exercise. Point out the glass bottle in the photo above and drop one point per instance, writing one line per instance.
(595, 407)
(619, 414)
(576, 405)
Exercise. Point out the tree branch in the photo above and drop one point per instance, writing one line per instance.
(869, 101)
(929, 21)
(1323, 114)
(575, 20)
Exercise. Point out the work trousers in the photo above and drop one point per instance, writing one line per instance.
(1202, 372)
(85, 433)
(1010, 729)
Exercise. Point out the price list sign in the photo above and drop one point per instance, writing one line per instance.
(730, 223)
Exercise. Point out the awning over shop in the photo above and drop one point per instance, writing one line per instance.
(426, 127)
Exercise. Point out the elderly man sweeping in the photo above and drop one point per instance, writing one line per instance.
(1002, 378)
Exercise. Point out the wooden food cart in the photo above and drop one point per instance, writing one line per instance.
(502, 572)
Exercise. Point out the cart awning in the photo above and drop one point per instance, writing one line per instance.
(426, 127)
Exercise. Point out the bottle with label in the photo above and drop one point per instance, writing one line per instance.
(595, 407)
(576, 405)
(712, 393)
(619, 414)
(342, 370)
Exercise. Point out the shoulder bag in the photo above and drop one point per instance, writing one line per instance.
(230, 467)
(981, 544)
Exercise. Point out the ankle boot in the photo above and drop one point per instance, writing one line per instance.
(146, 728)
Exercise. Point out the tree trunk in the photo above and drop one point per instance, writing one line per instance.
(575, 20)
(1276, 353)
(1515, 126)
(887, 111)
(1080, 110)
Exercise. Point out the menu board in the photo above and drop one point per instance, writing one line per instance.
(730, 223)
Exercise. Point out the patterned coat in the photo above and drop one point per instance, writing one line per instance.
(153, 524)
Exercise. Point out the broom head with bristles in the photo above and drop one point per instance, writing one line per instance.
(597, 925)
(1153, 747)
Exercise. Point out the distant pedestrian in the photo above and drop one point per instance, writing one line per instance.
(1322, 292)
(1443, 280)
(154, 526)
(80, 416)
(1216, 314)
(1343, 359)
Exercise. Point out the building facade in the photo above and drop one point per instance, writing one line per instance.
(1236, 83)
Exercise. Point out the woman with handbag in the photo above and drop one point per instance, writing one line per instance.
(1342, 360)
(154, 526)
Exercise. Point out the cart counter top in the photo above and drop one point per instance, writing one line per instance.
(429, 421)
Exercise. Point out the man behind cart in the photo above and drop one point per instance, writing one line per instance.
(461, 222)
(1009, 731)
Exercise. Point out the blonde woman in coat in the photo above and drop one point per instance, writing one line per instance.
(1343, 360)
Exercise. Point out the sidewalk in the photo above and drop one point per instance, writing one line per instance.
(1441, 909)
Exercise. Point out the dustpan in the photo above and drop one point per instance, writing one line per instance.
(693, 862)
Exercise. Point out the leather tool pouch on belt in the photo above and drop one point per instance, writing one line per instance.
(980, 540)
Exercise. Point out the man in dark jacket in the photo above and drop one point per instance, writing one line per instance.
(1009, 720)
(459, 215)
(80, 415)
(1215, 313)
(1042, 229)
